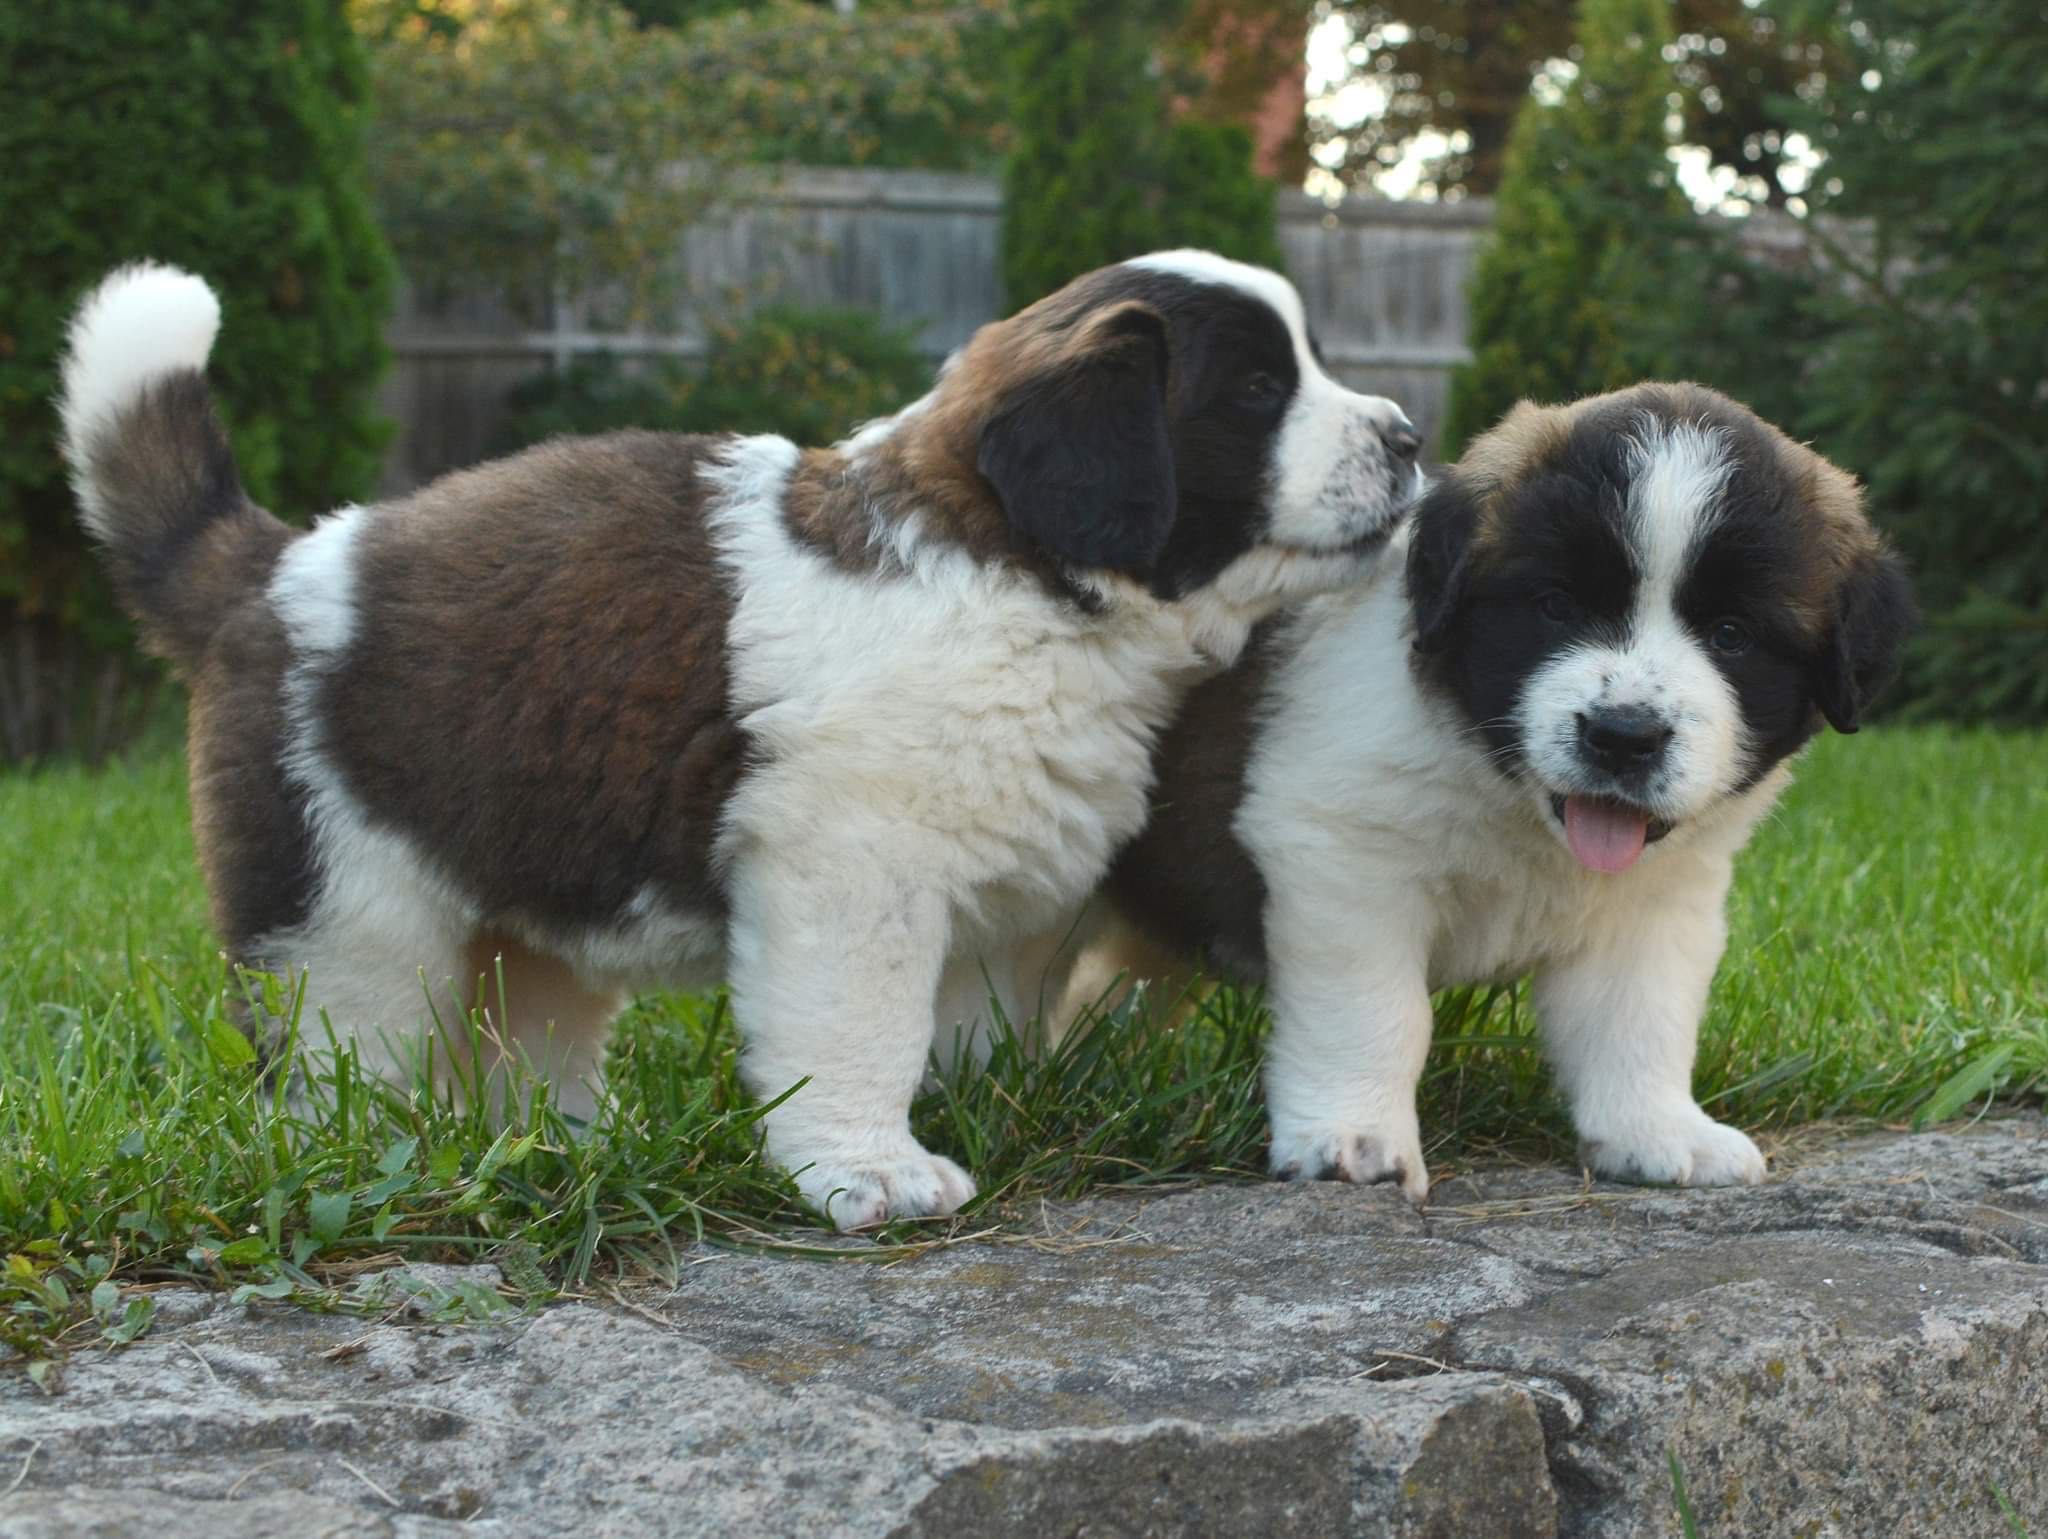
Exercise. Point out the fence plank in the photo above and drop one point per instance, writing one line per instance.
(1383, 283)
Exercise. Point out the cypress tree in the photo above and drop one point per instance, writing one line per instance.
(1100, 169)
(224, 136)
(1934, 385)
(1588, 207)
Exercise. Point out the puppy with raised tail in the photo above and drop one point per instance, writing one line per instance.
(647, 710)
(1534, 751)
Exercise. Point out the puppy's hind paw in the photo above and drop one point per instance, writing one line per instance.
(860, 1193)
(1350, 1154)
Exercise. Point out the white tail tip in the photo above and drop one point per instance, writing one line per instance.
(143, 320)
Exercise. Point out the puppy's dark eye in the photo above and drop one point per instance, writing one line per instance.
(1558, 607)
(1260, 391)
(1729, 638)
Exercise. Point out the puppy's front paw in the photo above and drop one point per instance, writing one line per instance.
(1682, 1146)
(861, 1192)
(1365, 1157)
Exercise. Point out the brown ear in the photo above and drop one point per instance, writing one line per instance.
(1874, 612)
(1078, 453)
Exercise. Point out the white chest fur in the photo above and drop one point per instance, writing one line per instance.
(1368, 788)
(991, 738)
(1398, 859)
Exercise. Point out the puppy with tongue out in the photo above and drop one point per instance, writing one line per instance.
(1606, 835)
(1536, 751)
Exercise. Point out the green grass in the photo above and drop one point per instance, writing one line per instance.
(1688, 1525)
(1889, 961)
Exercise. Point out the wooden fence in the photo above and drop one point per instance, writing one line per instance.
(1384, 284)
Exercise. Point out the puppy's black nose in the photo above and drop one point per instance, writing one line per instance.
(1623, 739)
(1402, 441)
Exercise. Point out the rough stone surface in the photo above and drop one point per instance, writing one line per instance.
(1858, 1348)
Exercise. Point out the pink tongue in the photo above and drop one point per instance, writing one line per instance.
(1603, 836)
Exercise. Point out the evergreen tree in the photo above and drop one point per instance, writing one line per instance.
(1935, 386)
(1565, 283)
(1100, 170)
(220, 135)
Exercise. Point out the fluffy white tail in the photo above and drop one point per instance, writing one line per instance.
(155, 476)
(143, 321)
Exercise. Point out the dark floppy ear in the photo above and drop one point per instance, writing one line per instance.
(1874, 614)
(1079, 455)
(1439, 554)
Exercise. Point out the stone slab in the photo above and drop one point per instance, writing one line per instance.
(1858, 1347)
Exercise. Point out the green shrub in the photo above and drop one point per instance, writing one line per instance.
(1211, 197)
(811, 374)
(1100, 170)
(1934, 386)
(1740, 315)
(529, 147)
(534, 147)
(1568, 281)
(224, 136)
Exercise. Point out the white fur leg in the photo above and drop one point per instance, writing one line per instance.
(1621, 1022)
(1351, 1027)
(834, 975)
(1026, 980)
(558, 1022)
(965, 1016)
(1109, 961)
(366, 989)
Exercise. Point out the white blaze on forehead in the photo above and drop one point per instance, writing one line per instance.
(1677, 471)
(1333, 481)
(1258, 282)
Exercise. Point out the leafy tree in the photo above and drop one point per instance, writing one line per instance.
(1455, 67)
(534, 146)
(225, 136)
(1935, 385)
(1462, 68)
(1101, 169)
(1740, 310)
(678, 13)
(540, 146)
(1575, 264)
(907, 83)
(1245, 50)
(1742, 64)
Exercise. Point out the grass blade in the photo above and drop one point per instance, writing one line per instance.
(1686, 1523)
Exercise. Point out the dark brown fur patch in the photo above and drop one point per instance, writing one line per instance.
(248, 821)
(833, 511)
(1839, 539)
(841, 505)
(183, 544)
(1186, 882)
(537, 692)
